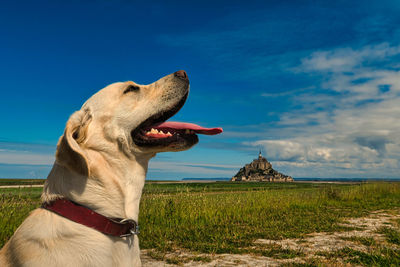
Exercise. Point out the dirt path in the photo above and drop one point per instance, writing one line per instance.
(314, 247)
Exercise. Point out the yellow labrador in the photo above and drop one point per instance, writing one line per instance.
(101, 164)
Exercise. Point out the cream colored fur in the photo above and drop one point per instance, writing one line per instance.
(97, 165)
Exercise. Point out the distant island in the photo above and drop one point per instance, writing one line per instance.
(260, 170)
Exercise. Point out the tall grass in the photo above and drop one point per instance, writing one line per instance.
(228, 217)
(21, 181)
(220, 222)
(15, 205)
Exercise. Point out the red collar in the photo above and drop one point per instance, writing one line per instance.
(92, 219)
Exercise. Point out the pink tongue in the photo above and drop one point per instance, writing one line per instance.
(191, 126)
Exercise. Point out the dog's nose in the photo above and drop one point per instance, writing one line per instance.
(181, 74)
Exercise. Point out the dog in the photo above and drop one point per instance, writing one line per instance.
(100, 169)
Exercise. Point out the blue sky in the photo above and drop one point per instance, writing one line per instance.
(314, 84)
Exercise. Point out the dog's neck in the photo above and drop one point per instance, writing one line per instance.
(115, 192)
(134, 179)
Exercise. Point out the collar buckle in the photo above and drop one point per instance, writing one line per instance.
(134, 227)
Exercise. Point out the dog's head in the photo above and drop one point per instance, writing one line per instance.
(130, 118)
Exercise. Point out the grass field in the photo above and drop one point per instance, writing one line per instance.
(21, 181)
(224, 217)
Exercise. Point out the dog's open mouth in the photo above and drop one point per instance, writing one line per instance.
(156, 132)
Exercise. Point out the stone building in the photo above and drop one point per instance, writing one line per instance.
(261, 170)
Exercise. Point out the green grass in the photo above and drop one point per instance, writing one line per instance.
(173, 188)
(21, 181)
(174, 259)
(15, 205)
(223, 222)
(366, 241)
(228, 217)
(273, 251)
(392, 235)
(380, 256)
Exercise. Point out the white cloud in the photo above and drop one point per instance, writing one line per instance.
(26, 154)
(282, 149)
(347, 59)
(16, 157)
(350, 127)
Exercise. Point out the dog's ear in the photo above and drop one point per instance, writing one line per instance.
(69, 149)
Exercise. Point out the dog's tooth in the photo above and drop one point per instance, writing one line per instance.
(187, 131)
(154, 131)
(169, 134)
(161, 132)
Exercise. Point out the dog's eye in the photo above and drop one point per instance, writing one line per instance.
(131, 88)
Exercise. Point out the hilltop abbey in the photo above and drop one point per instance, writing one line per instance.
(260, 170)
